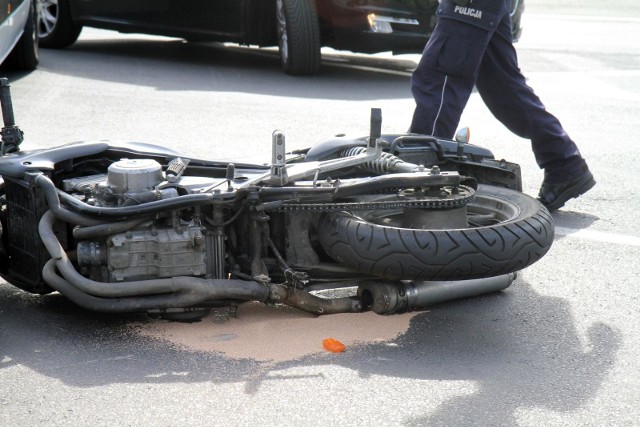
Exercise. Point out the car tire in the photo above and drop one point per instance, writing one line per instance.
(24, 55)
(511, 232)
(56, 29)
(298, 36)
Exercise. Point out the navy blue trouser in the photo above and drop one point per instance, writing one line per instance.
(473, 45)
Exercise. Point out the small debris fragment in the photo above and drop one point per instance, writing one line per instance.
(333, 345)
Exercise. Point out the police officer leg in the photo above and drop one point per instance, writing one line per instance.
(443, 81)
(504, 90)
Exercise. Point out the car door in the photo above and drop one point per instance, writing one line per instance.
(216, 16)
(124, 11)
(12, 19)
(168, 16)
(6, 39)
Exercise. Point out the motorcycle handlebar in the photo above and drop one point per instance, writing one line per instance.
(6, 104)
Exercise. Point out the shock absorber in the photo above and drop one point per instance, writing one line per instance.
(387, 163)
(216, 247)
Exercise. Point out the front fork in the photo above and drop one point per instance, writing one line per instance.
(257, 227)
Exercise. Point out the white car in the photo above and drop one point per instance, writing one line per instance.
(18, 34)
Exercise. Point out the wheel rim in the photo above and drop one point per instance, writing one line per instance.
(484, 211)
(283, 41)
(488, 210)
(47, 16)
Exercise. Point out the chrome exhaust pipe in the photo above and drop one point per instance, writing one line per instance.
(399, 297)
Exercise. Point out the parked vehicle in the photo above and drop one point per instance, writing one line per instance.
(408, 220)
(299, 27)
(18, 34)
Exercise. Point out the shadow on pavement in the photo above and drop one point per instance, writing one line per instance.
(521, 348)
(184, 66)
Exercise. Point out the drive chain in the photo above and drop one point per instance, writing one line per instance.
(456, 201)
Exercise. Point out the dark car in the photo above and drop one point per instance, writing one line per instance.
(18, 34)
(299, 27)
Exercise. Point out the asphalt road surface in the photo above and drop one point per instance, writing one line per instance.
(559, 347)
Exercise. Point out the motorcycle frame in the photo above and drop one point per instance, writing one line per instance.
(274, 264)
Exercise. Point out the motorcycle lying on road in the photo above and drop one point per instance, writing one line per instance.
(400, 221)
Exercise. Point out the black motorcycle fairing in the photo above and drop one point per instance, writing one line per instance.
(16, 165)
(399, 145)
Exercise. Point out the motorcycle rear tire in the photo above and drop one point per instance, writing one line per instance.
(522, 233)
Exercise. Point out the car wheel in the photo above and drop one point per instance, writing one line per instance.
(56, 29)
(24, 55)
(298, 36)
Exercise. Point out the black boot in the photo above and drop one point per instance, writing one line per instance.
(554, 196)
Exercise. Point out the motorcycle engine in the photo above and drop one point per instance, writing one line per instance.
(166, 246)
(127, 182)
(134, 175)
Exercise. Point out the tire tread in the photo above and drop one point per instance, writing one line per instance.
(303, 34)
(407, 254)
